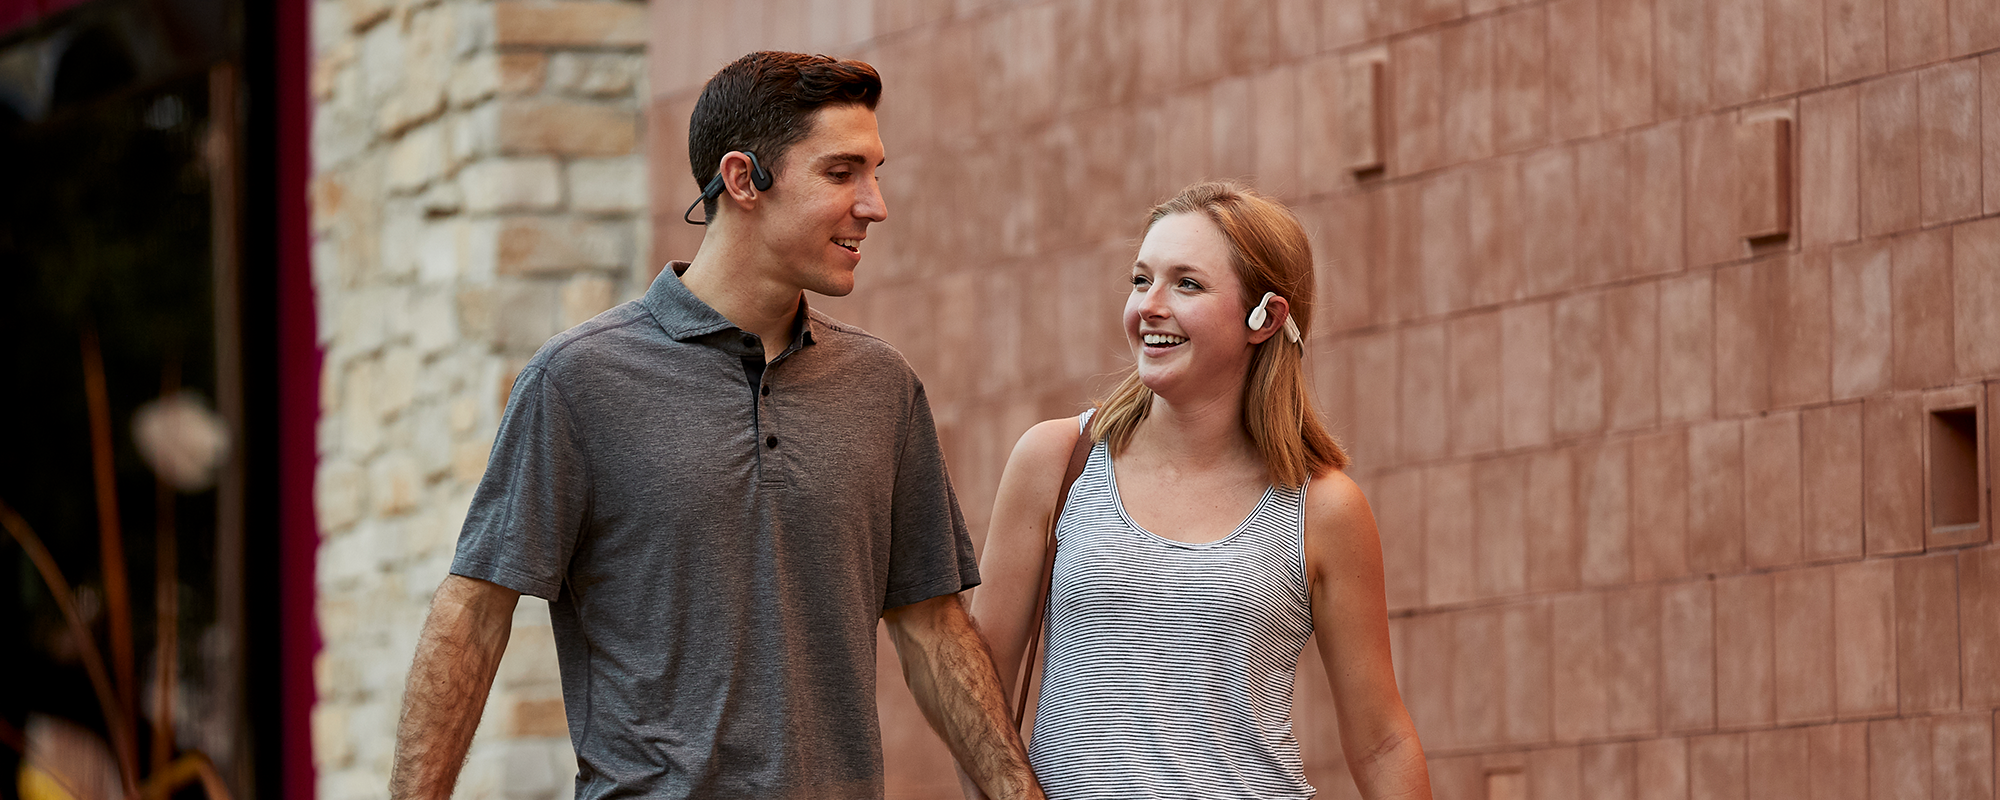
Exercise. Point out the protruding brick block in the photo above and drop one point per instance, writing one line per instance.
(1890, 143)
(1525, 649)
(1526, 367)
(1716, 767)
(1864, 637)
(1659, 505)
(1632, 637)
(1500, 503)
(1893, 472)
(1448, 544)
(1829, 164)
(1715, 497)
(1975, 290)
(1687, 656)
(1772, 510)
(1778, 764)
(1363, 102)
(1631, 377)
(1927, 633)
(1687, 348)
(1553, 547)
(1803, 652)
(1830, 481)
(1979, 637)
(1764, 164)
(1745, 638)
(1863, 353)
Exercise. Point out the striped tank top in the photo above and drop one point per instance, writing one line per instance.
(1170, 665)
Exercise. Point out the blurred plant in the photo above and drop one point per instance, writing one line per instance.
(57, 757)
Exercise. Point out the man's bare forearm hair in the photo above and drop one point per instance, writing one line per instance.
(457, 655)
(951, 674)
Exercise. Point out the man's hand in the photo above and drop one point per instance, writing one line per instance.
(463, 639)
(951, 673)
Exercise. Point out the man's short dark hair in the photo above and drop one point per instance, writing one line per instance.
(764, 103)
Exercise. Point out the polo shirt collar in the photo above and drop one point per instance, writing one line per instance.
(686, 318)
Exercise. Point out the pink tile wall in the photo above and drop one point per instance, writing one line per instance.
(1635, 477)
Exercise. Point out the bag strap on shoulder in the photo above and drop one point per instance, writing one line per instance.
(1078, 456)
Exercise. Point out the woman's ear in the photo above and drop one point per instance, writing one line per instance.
(1276, 311)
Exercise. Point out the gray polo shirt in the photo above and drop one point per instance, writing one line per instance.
(717, 539)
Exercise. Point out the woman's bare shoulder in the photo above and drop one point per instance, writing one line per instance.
(1044, 450)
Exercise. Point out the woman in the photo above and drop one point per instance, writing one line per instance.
(1192, 561)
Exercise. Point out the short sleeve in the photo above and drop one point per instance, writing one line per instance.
(532, 501)
(930, 552)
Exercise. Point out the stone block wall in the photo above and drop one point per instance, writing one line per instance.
(478, 186)
(1634, 314)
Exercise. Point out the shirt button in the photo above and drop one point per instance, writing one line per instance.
(771, 442)
(766, 391)
(750, 340)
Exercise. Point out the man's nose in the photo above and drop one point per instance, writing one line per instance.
(869, 203)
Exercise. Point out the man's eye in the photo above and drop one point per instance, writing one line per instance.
(840, 177)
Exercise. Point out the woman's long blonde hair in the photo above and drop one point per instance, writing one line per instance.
(1269, 250)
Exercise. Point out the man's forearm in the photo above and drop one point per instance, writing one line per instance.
(457, 656)
(951, 674)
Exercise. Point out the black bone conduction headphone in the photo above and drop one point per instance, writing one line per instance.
(759, 177)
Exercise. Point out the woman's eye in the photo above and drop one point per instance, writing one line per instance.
(1190, 285)
(1140, 280)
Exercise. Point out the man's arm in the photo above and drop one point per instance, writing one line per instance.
(463, 639)
(951, 673)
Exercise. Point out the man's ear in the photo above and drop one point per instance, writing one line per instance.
(1276, 311)
(737, 186)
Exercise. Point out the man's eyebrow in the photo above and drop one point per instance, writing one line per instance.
(849, 158)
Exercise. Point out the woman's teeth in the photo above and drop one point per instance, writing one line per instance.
(1163, 339)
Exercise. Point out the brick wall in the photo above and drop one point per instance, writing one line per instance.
(478, 186)
(1651, 479)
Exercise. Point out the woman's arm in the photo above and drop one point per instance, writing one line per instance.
(1010, 566)
(1351, 622)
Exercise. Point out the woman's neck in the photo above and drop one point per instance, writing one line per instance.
(1206, 430)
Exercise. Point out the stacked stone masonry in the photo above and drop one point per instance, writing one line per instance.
(1652, 494)
(478, 186)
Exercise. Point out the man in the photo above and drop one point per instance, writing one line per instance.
(720, 491)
